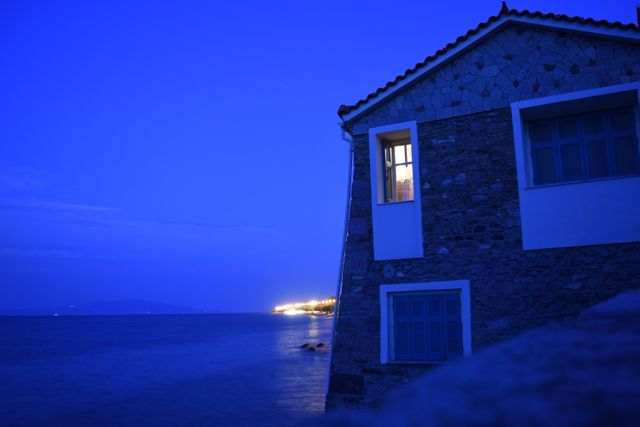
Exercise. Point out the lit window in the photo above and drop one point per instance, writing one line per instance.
(588, 146)
(396, 212)
(398, 171)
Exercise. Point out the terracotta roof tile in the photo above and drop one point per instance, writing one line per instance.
(504, 11)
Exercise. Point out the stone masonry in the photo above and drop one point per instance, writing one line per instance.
(471, 221)
(575, 373)
(520, 62)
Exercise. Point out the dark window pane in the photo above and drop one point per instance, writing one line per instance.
(593, 125)
(621, 121)
(417, 307)
(541, 132)
(436, 341)
(402, 340)
(434, 307)
(419, 343)
(597, 159)
(454, 339)
(401, 308)
(567, 129)
(388, 156)
(545, 166)
(451, 306)
(626, 152)
(388, 176)
(571, 162)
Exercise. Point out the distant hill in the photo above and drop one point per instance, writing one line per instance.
(120, 307)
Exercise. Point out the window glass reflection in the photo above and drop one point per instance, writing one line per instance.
(398, 171)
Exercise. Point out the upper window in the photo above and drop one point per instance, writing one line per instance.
(426, 327)
(396, 211)
(398, 170)
(584, 138)
(587, 146)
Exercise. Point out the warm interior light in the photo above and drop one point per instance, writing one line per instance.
(404, 183)
(398, 170)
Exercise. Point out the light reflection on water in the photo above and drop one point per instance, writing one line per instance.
(302, 385)
(314, 329)
(162, 370)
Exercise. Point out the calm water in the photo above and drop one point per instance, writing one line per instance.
(217, 369)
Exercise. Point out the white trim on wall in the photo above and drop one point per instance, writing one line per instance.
(386, 311)
(575, 213)
(589, 93)
(397, 226)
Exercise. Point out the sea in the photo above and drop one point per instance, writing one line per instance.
(162, 370)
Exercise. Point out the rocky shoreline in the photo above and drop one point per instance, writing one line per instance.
(323, 347)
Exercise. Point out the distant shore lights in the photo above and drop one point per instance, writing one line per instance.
(324, 306)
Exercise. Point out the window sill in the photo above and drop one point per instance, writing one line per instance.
(584, 181)
(415, 362)
(396, 203)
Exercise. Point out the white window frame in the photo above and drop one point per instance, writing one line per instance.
(397, 226)
(386, 315)
(578, 213)
(376, 143)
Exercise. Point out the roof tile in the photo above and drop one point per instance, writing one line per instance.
(504, 11)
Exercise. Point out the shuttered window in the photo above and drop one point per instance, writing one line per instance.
(588, 146)
(427, 327)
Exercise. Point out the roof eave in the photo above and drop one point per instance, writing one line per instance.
(384, 94)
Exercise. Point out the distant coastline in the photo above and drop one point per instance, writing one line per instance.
(323, 307)
(106, 308)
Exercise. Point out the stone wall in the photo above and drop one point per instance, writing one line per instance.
(471, 230)
(517, 63)
(471, 221)
(582, 372)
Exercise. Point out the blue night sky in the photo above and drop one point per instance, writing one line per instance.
(187, 152)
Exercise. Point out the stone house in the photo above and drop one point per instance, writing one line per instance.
(495, 188)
